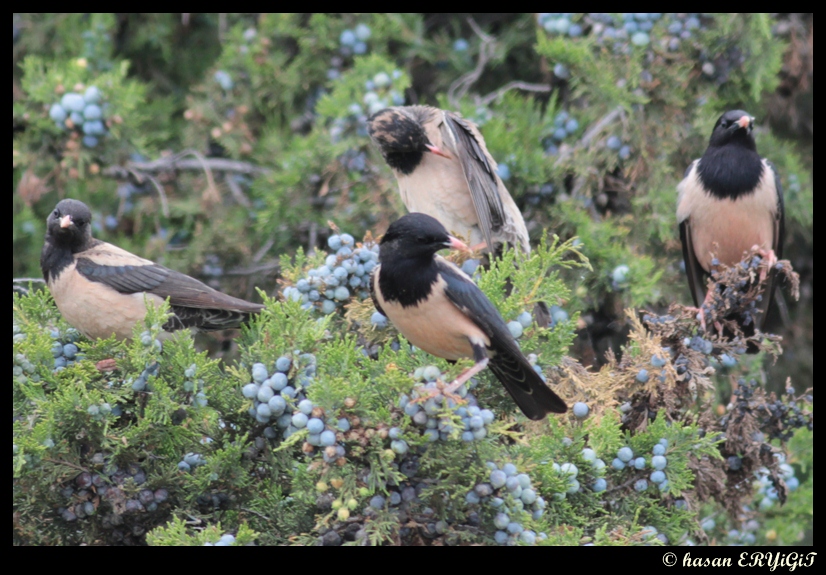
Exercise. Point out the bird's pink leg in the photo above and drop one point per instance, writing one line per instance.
(701, 310)
(769, 261)
(479, 247)
(462, 379)
(449, 391)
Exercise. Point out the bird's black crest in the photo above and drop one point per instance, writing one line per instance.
(407, 265)
(731, 166)
(400, 137)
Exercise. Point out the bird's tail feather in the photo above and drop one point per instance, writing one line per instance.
(525, 386)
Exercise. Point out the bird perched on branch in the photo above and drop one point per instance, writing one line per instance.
(730, 201)
(439, 309)
(102, 290)
(444, 170)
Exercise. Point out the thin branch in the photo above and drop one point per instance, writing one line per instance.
(313, 237)
(590, 134)
(257, 514)
(177, 163)
(237, 193)
(259, 255)
(622, 487)
(28, 281)
(222, 26)
(493, 96)
(67, 464)
(161, 195)
(460, 87)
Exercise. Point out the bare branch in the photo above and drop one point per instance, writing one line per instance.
(493, 96)
(177, 163)
(257, 514)
(161, 194)
(28, 281)
(259, 255)
(590, 134)
(313, 238)
(237, 193)
(460, 87)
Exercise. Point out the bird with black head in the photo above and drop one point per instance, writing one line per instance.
(730, 202)
(102, 290)
(439, 309)
(444, 169)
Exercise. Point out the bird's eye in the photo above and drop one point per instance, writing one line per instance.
(724, 124)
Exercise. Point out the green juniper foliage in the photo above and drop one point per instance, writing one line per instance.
(233, 147)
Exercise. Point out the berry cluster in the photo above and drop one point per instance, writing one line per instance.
(346, 272)
(440, 417)
(354, 41)
(190, 462)
(402, 496)
(565, 125)
(100, 412)
(23, 370)
(119, 489)
(278, 398)
(618, 29)
(626, 459)
(615, 144)
(83, 113)
(511, 497)
(767, 496)
(737, 296)
(746, 535)
(597, 468)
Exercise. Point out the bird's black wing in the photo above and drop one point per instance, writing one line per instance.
(483, 182)
(194, 303)
(507, 362)
(125, 278)
(374, 278)
(696, 273)
(777, 246)
(780, 222)
(181, 289)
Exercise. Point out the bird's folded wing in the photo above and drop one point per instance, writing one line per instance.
(374, 277)
(481, 177)
(129, 274)
(470, 300)
(693, 269)
(508, 363)
(695, 272)
(777, 244)
(780, 217)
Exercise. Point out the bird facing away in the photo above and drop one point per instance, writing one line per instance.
(439, 309)
(730, 201)
(444, 170)
(100, 289)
